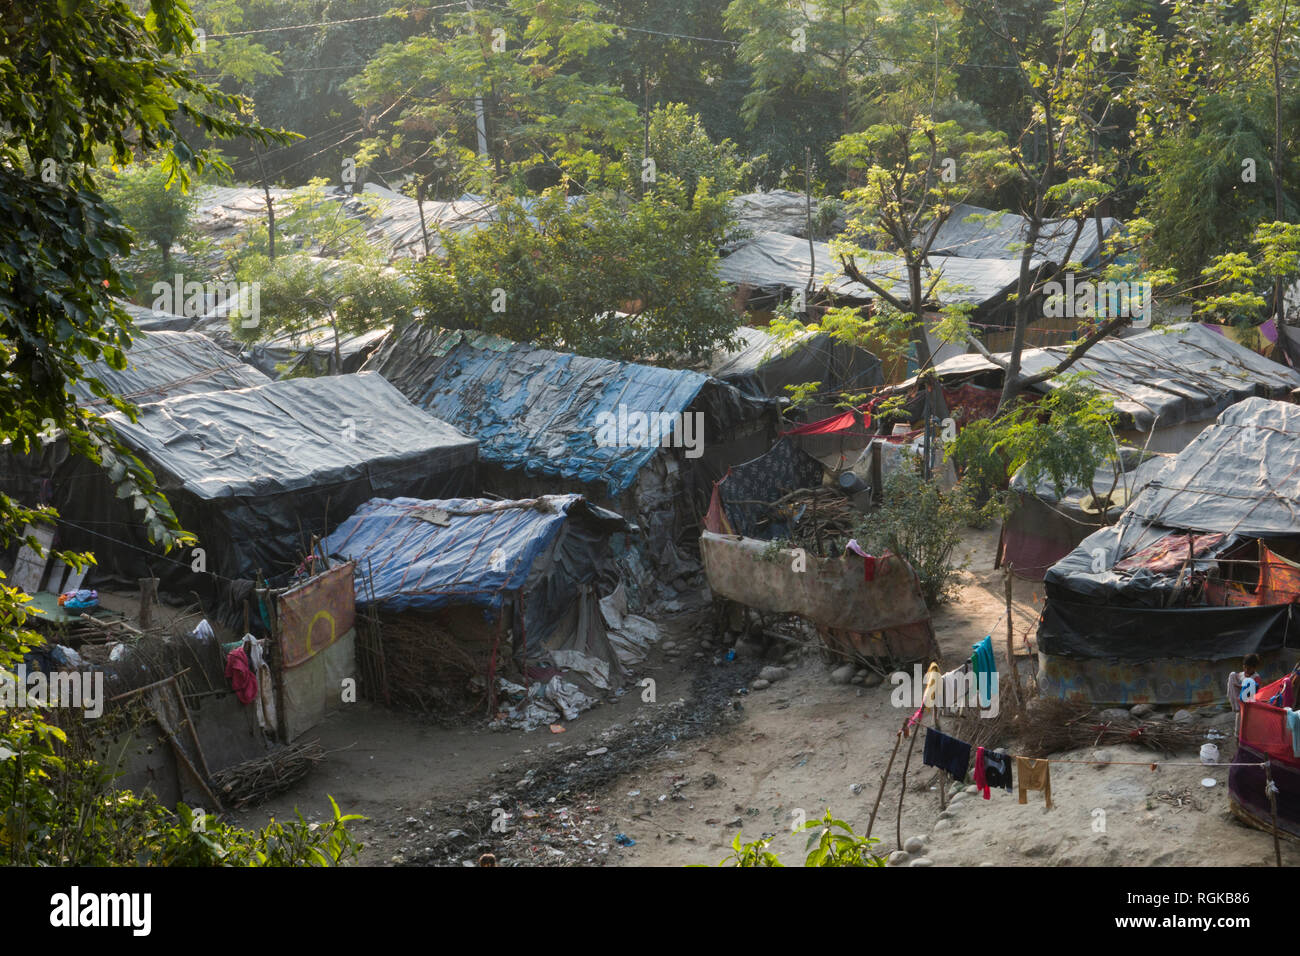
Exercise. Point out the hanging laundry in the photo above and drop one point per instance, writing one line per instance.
(1234, 690)
(981, 781)
(868, 561)
(986, 670)
(997, 770)
(946, 753)
(1034, 775)
(240, 676)
(1293, 725)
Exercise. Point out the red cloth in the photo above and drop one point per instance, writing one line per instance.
(980, 780)
(241, 677)
(827, 426)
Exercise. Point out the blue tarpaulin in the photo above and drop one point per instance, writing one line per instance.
(533, 409)
(406, 558)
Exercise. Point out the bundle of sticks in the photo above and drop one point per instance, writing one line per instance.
(426, 669)
(263, 777)
(823, 519)
(1053, 725)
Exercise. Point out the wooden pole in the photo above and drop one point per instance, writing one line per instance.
(903, 792)
(148, 597)
(1011, 651)
(183, 760)
(194, 731)
(898, 741)
(1271, 790)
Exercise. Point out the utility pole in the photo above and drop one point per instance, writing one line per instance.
(480, 121)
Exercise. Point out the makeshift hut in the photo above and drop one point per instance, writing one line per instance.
(1043, 526)
(1167, 383)
(254, 473)
(774, 265)
(763, 364)
(470, 588)
(973, 232)
(1197, 572)
(646, 442)
(161, 365)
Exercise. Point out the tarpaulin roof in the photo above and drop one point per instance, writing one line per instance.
(287, 435)
(530, 408)
(313, 348)
(431, 554)
(774, 259)
(1002, 235)
(765, 364)
(163, 365)
(1240, 476)
(1180, 373)
(214, 327)
(777, 210)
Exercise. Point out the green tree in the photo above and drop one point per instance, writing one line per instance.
(79, 77)
(157, 208)
(607, 275)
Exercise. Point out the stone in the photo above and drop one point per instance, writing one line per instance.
(942, 825)
(773, 674)
(922, 861)
(914, 844)
(899, 858)
(1114, 713)
(945, 814)
(1102, 756)
(842, 675)
(856, 680)
(760, 684)
(972, 790)
(872, 680)
(862, 672)
(1183, 716)
(1142, 710)
(855, 788)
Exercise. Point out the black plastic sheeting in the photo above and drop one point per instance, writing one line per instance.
(1002, 235)
(1182, 373)
(161, 365)
(253, 473)
(1240, 475)
(766, 478)
(765, 364)
(1073, 578)
(1136, 634)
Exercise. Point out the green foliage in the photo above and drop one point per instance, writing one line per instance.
(64, 812)
(155, 207)
(834, 843)
(921, 523)
(608, 276)
(981, 467)
(1064, 436)
(682, 150)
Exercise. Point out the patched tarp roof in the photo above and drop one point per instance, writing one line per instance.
(431, 554)
(764, 364)
(1002, 235)
(533, 409)
(162, 365)
(1182, 373)
(288, 435)
(775, 259)
(1239, 476)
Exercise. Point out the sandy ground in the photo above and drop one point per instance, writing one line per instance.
(680, 776)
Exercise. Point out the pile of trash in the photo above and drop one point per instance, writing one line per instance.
(541, 704)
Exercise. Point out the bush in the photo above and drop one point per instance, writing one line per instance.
(922, 524)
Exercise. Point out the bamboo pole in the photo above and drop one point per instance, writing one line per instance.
(1271, 789)
(903, 792)
(898, 741)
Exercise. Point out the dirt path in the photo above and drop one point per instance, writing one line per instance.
(678, 776)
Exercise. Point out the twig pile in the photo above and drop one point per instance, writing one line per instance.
(826, 519)
(426, 669)
(1053, 725)
(263, 777)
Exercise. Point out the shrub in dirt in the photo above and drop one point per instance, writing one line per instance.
(922, 524)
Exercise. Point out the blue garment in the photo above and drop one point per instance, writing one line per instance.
(986, 670)
(1293, 725)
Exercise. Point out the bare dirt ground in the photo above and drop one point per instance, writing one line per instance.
(681, 775)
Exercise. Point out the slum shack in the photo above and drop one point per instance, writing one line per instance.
(254, 473)
(464, 596)
(1197, 572)
(645, 442)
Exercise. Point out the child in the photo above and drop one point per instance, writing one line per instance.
(1244, 685)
